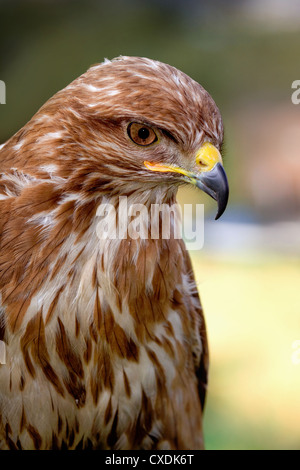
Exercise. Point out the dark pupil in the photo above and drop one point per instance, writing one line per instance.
(143, 133)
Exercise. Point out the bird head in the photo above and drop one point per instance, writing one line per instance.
(162, 125)
(133, 124)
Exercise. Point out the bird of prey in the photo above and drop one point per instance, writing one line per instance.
(105, 340)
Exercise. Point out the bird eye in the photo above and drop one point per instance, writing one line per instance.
(141, 134)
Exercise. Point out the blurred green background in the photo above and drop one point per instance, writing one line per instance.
(246, 54)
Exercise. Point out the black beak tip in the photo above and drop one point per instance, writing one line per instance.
(219, 213)
(222, 204)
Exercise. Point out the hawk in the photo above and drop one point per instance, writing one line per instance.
(105, 340)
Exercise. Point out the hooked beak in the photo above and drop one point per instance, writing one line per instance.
(215, 184)
(209, 175)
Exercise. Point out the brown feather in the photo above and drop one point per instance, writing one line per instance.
(105, 339)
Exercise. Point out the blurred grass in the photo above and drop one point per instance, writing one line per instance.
(252, 313)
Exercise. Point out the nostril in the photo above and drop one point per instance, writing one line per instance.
(202, 164)
(207, 157)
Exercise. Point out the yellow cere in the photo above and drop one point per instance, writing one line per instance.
(208, 156)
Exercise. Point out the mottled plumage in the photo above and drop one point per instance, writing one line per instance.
(105, 339)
